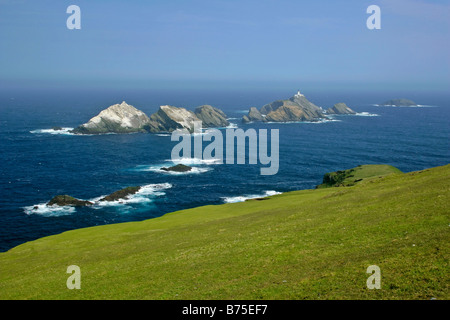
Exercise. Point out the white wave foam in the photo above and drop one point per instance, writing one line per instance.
(163, 134)
(232, 126)
(157, 169)
(195, 161)
(329, 119)
(49, 211)
(247, 197)
(65, 131)
(146, 194)
(366, 114)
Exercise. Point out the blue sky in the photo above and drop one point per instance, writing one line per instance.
(225, 43)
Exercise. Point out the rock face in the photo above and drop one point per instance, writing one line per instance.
(65, 200)
(211, 117)
(340, 108)
(169, 118)
(399, 103)
(118, 118)
(178, 168)
(121, 194)
(296, 108)
(253, 115)
(124, 118)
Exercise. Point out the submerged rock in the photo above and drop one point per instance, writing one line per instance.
(178, 168)
(118, 118)
(65, 200)
(340, 108)
(121, 194)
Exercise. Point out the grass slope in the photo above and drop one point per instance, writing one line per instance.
(310, 244)
(350, 177)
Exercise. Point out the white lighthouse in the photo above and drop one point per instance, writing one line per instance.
(299, 94)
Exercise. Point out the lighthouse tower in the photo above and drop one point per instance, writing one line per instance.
(299, 94)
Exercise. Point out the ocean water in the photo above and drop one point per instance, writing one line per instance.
(39, 163)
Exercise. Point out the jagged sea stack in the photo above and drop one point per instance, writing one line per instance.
(340, 108)
(118, 118)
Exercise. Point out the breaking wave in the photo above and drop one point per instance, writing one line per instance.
(247, 197)
(145, 195)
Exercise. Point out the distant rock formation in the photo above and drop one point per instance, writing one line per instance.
(399, 103)
(178, 168)
(211, 117)
(65, 200)
(253, 115)
(340, 108)
(118, 118)
(124, 118)
(296, 108)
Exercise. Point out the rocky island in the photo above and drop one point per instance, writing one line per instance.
(66, 200)
(296, 108)
(177, 168)
(124, 118)
(118, 118)
(399, 103)
(340, 108)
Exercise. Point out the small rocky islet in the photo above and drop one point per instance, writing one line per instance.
(66, 200)
(399, 103)
(177, 168)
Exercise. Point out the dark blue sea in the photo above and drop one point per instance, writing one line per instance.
(38, 163)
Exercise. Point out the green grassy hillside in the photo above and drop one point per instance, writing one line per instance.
(310, 244)
(350, 177)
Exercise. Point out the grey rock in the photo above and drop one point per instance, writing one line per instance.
(170, 118)
(211, 117)
(399, 103)
(340, 108)
(118, 118)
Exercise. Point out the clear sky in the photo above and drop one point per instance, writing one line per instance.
(225, 42)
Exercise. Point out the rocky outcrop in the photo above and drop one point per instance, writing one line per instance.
(253, 115)
(118, 118)
(124, 118)
(121, 194)
(211, 117)
(340, 108)
(65, 200)
(296, 108)
(169, 118)
(287, 113)
(399, 103)
(178, 168)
